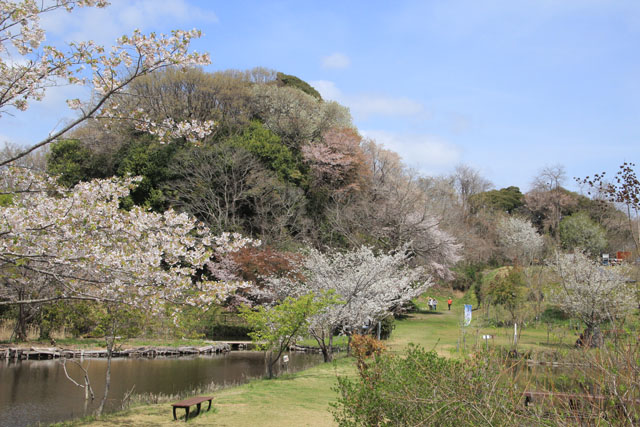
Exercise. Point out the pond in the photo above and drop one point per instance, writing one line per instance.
(38, 391)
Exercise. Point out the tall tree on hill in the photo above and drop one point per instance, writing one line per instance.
(547, 200)
(578, 231)
(337, 161)
(625, 190)
(295, 116)
(468, 182)
(394, 210)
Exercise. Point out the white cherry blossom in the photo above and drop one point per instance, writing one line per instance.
(78, 244)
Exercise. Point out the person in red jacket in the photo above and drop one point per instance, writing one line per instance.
(449, 301)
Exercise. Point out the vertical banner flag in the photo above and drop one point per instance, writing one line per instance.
(467, 314)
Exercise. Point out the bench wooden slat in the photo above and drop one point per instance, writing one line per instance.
(191, 401)
(187, 403)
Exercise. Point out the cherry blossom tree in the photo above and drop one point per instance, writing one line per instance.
(28, 68)
(82, 246)
(397, 211)
(591, 292)
(522, 244)
(337, 159)
(58, 244)
(519, 240)
(368, 285)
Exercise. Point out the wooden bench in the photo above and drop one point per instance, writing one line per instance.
(190, 402)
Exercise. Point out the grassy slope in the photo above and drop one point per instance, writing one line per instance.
(303, 399)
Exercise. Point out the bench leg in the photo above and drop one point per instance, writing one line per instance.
(209, 405)
(186, 417)
(199, 408)
(174, 414)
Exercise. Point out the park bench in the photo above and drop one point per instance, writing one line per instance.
(187, 403)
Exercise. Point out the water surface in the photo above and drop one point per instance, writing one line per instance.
(33, 391)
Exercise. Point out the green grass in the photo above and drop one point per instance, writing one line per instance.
(300, 399)
(441, 330)
(338, 342)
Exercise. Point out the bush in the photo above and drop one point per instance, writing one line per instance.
(422, 388)
(553, 314)
(222, 331)
(466, 276)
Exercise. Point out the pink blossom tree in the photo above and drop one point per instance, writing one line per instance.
(337, 159)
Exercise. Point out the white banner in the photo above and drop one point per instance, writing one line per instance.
(467, 314)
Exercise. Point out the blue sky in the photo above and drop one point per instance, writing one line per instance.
(507, 87)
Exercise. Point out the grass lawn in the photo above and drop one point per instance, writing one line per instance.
(300, 399)
(441, 330)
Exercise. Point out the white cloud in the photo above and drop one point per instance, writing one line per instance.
(427, 153)
(336, 60)
(380, 105)
(327, 89)
(365, 105)
(122, 17)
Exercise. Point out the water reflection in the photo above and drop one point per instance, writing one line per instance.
(38, 391)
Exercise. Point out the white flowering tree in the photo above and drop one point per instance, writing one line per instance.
(593, 293)
(522, 244)
(83, 246)
(77, 244)
(28, 68)
(60, 244)
(368, 287)
(519, 240)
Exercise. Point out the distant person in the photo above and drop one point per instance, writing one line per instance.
(430, 303)
(449, 301)
(435, 304)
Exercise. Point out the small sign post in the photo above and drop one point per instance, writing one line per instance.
(486, 339)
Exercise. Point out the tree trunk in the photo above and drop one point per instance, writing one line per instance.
(326, 354)
(591, 337)
(331, 345)
(320, 339)
(596, 339)
(21, 323)
(20, 330)
(107, 382)
(270, 363)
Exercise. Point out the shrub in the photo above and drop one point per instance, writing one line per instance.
(599, 387)
(422, 388)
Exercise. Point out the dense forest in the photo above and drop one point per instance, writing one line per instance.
(286, 167)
